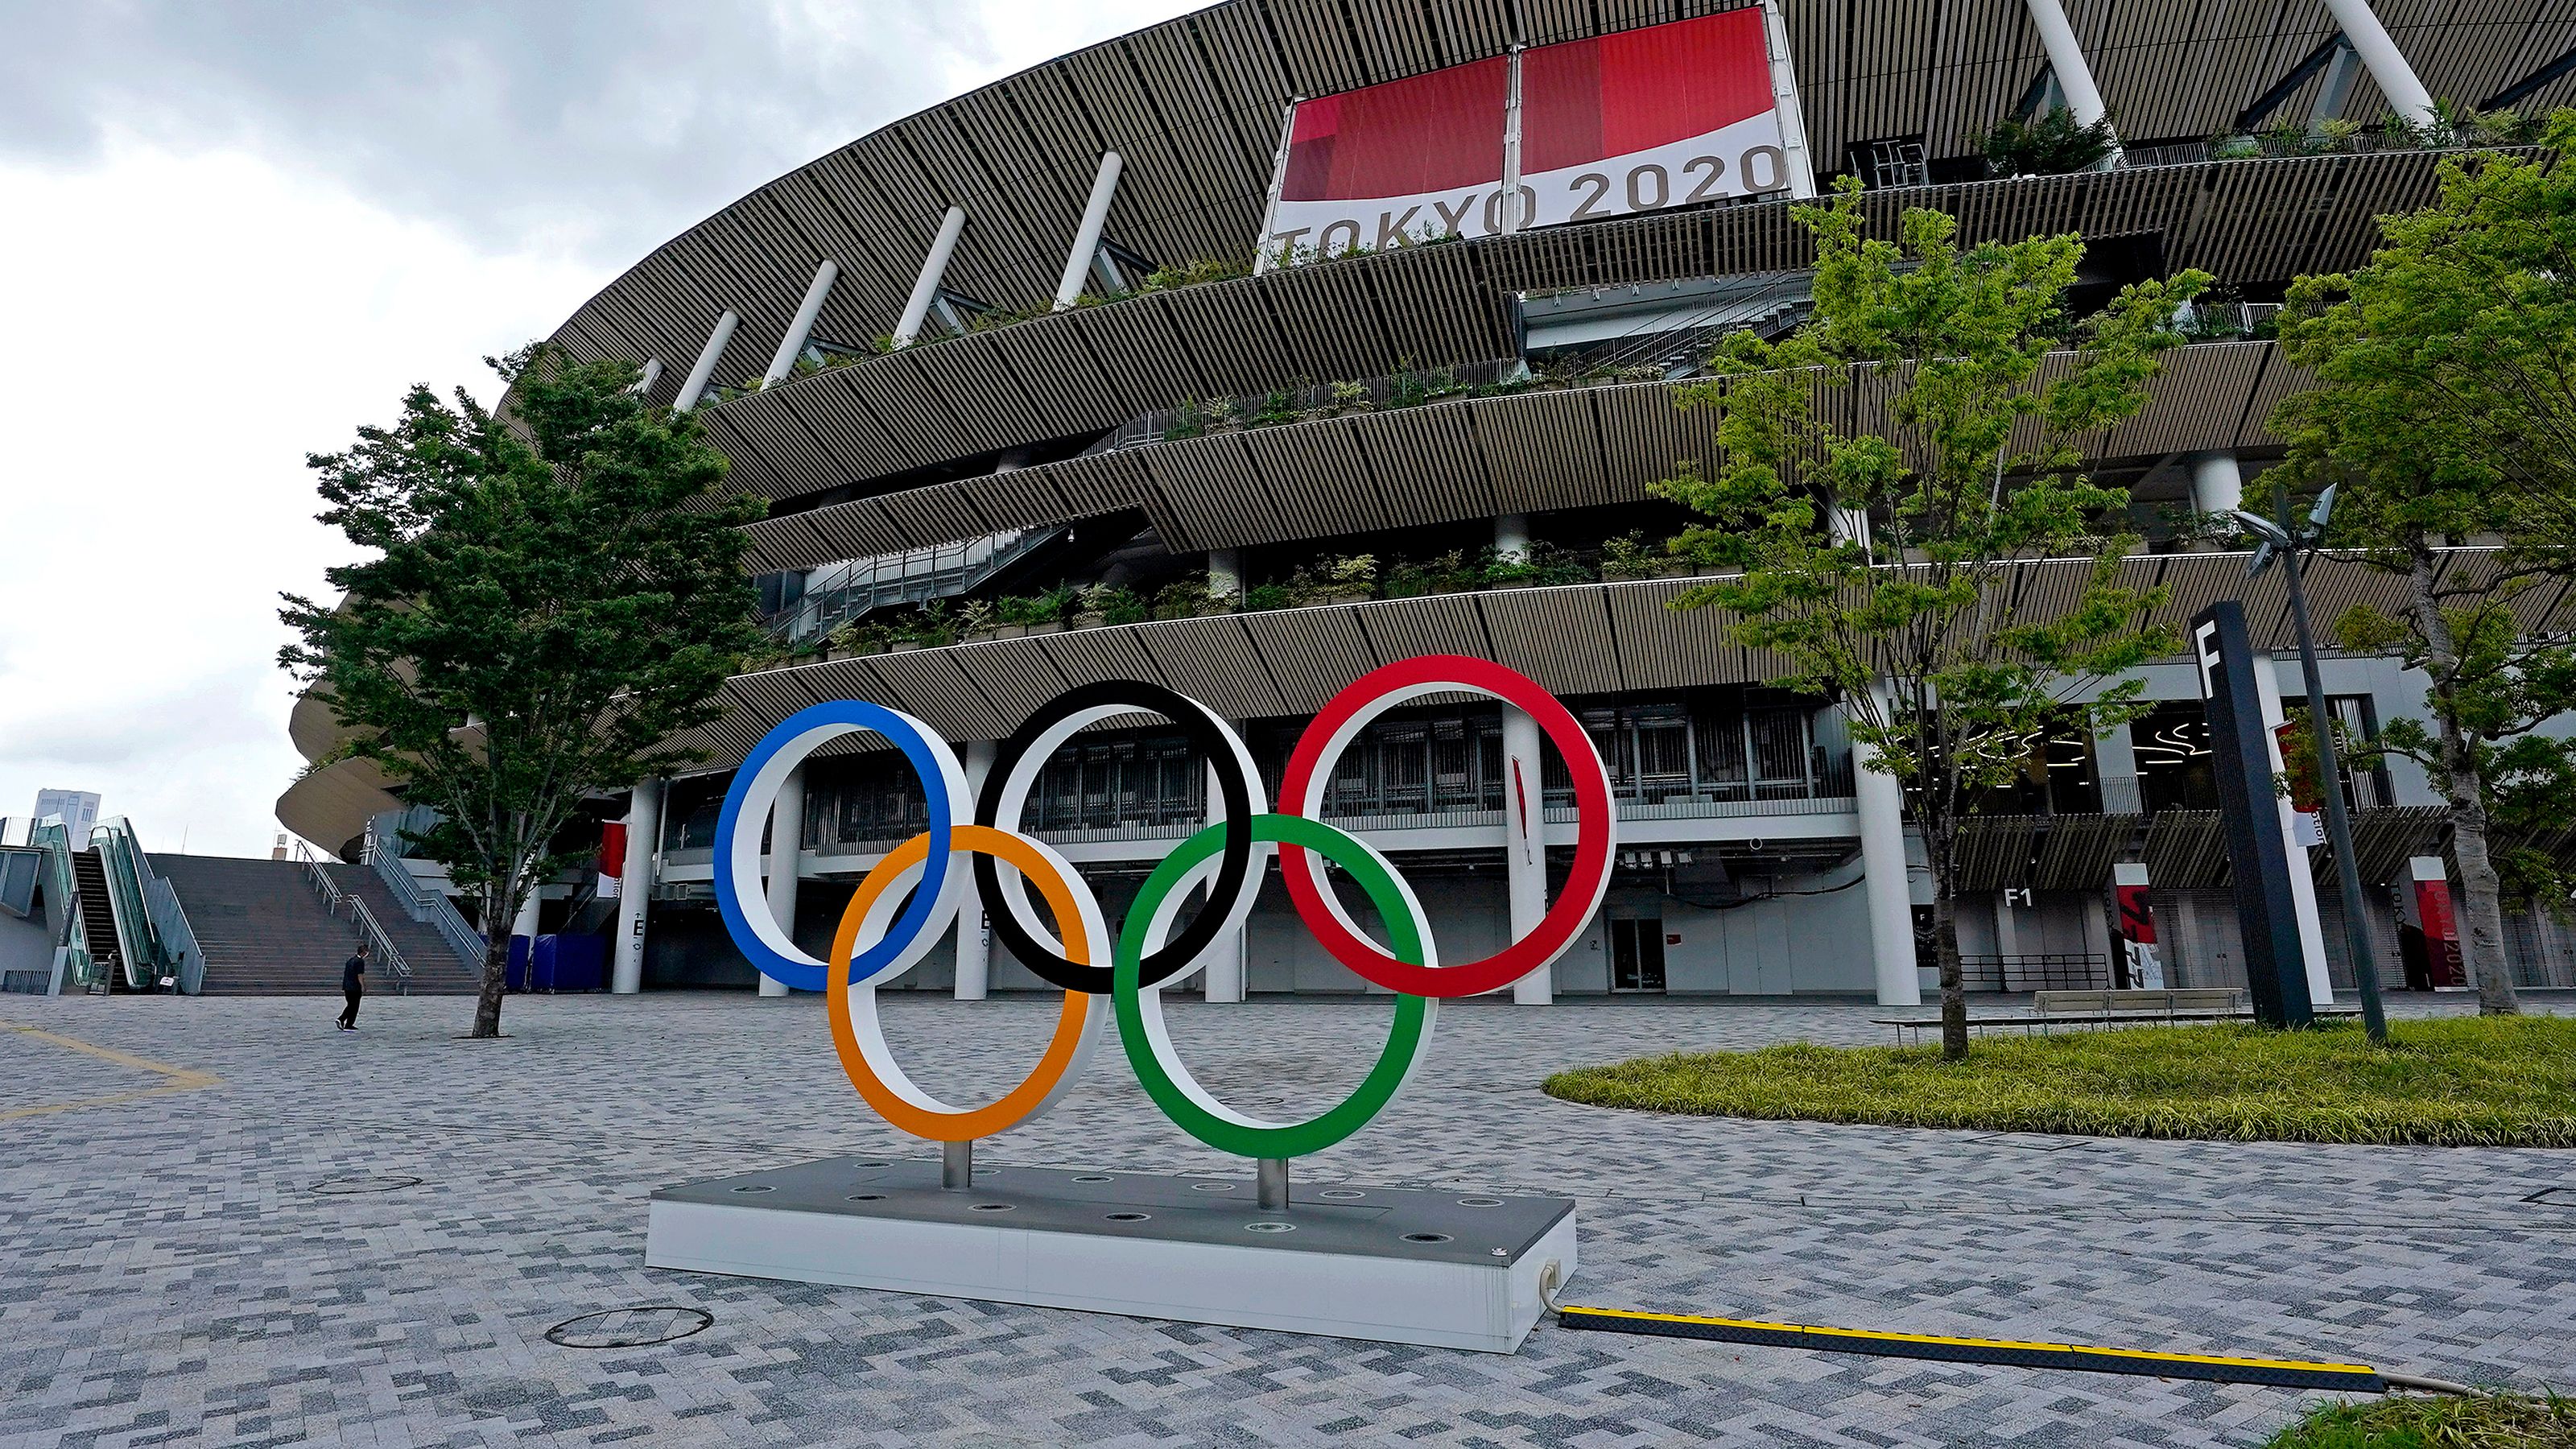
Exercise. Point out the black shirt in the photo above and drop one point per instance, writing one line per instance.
(349, 972)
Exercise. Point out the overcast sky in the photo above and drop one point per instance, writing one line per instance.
(232, 230)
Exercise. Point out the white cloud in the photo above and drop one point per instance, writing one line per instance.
(199, 297)
(191, 328)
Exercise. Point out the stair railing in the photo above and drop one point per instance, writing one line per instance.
(419, 901)
(73, 963)
(380, 947)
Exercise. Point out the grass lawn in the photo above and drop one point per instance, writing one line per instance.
(2507, 1421)
(2460, 1081)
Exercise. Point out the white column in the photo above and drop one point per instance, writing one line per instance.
(1784, 96)
(1228, 969)
(705, 371)
(635, 885)
(1848, 525)
(2066, 62)
(926, 286)
(526, 924)
(2335, 89)
(2303, 877)
(784, 360)
(1086, 237)
(974, 936)
(1525, 841)
(651, 374)
(1225, 573)
(2388, 67)
(2217, 483)
(786, 849)
(1512, 535)
(1886, 880)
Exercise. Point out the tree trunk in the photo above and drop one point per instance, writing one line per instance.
(2483, 906)
(496, 960)
(1945, 940)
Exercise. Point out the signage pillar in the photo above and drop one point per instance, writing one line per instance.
(786, 846)
(1887, 879)
(1525, 844)
(2301, 833)
(974, 936)
(2241, 746)
(635, 891)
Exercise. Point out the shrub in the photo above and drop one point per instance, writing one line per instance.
(2052, 145)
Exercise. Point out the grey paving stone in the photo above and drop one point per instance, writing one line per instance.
(168, 1273)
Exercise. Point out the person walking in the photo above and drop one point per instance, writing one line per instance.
(353, 986)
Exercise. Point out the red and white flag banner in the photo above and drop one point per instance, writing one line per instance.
(1674, 115)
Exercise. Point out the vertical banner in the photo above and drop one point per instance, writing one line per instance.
(2141, 968)
(1672, 115)
(612, 858)
(1675, 115)
(1405, 161)
(2428, 928)
(2307, 799)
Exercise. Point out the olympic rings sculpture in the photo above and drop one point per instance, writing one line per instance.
(909, 902)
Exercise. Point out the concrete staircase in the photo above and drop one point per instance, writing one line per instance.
(436, 970)
(265, 930)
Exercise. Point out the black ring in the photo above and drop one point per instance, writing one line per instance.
(1210, 738)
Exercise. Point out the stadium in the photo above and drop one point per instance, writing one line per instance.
(1256, 349)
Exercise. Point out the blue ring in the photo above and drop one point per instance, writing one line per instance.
(925, 754)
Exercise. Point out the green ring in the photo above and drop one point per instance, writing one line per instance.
(1405, 1040)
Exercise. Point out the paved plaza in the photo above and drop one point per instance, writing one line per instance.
(363, 1238)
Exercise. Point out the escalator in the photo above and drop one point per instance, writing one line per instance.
(98, 905)
(114, 923)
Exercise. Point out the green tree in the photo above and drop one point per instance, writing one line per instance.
(2446, 407)
(549, 600)
(1915, 618)
(2051, 145)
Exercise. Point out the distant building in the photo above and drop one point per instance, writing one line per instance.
(79, 809)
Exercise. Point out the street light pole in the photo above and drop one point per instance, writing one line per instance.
(2278, 539)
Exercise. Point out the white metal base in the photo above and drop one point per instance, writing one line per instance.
(1391, 1265)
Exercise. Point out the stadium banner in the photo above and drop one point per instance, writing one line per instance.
(1673, 115)
(1405, 161)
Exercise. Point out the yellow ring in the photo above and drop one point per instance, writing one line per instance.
(1072, 1026)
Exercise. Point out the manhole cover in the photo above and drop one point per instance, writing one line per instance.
(629, 1327)
(374, 1182)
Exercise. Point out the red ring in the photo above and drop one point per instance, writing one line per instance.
(1594, 823)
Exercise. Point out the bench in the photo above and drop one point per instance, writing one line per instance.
(2171, 1005)
(2106, 1009)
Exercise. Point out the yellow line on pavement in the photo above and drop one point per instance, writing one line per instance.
(181, 1079)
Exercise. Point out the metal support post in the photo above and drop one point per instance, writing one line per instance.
(957, 1165)
(1270, 1183)
(2365, 971)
